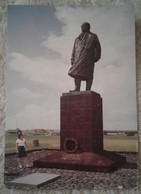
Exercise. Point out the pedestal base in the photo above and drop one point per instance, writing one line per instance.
(81, 136)
(103, 161)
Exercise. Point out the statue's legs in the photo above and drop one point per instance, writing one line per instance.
(89, 84)
(77, 83)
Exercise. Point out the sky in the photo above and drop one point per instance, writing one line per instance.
(39, 45)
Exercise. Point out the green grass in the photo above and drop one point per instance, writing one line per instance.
(119, 142)
(48, 142)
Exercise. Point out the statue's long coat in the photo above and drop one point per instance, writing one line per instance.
(86, 52)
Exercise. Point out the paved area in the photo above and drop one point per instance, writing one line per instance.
(124, 178)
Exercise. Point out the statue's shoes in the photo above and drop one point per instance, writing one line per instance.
(75, 90)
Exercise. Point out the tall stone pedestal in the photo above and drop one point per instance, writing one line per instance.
(81, 120)
(81, 136)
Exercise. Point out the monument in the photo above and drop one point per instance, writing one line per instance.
(81, 128)
(81, 113)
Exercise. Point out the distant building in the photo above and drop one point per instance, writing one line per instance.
(13, 131)
(128, 133)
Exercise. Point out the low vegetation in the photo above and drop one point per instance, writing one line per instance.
(118, 142)
(121, 142)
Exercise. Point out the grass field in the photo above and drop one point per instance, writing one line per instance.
(50, 142)
(119, 142)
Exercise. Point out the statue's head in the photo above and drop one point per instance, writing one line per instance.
(85, 27)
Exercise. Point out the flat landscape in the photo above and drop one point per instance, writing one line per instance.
(113, 142)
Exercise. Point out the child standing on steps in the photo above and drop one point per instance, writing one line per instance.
(20, 149)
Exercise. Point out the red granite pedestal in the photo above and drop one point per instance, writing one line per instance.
(81, 136)
(81, 119)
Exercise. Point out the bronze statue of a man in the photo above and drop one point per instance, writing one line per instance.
(86, 52)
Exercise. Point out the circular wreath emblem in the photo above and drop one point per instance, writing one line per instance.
(70, 145)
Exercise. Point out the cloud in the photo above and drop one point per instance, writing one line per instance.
(114, 76)
(34, 116)
(26, 93)
(40, 70)
(72, 18)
